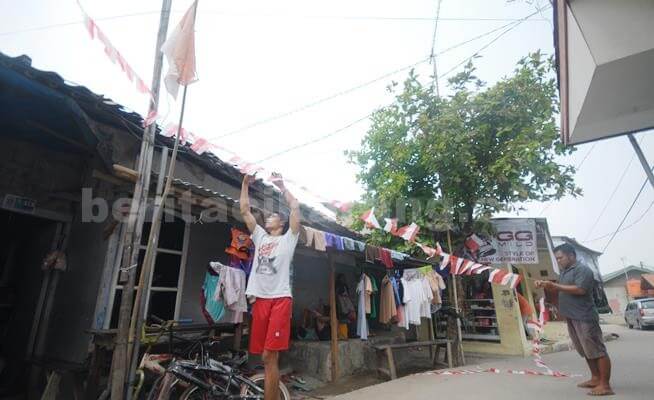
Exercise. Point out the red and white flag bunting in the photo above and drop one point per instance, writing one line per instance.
(114, 55)
(369, 218)
(391, 225)
(409, 232)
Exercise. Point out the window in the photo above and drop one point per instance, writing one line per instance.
(649, 304)
(167, 275)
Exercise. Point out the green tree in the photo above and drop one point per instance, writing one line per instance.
(451, 162)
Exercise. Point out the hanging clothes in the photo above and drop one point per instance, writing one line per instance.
(428, 296)
(231, 291)
(349, 244)
(212, 309)
(368, 293)
(374, 301)
(362, 323)
(386, 258)
(437, 285)
(315, 239)
(371, 253)
(417, 297)
(334, 241)
(387, 307)
(396, 290)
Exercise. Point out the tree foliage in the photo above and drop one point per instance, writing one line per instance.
(458, 159)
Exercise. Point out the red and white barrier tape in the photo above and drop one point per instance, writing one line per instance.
(538, 327)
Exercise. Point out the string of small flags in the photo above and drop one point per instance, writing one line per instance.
(458, 265)
(197, 143)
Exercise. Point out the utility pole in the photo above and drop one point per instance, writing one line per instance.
(138, 208)
(643, 160)
(626, 276)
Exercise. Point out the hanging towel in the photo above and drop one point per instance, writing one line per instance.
(315, 238)
(231, 291)
(334, 241)
(212, 309)
(385, 258)
(360, 246)
(349, 244)
(372, 253)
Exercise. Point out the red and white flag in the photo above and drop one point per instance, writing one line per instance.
(201, 145)
(179, 50)
(455, 264)
(391, 225)
(369, 218)
(465, 268)
(512, 281)
(499, 276)
(445, 261)
(474, 267)
(429, 251)
(409, 232)
(492, 274)
(482, 269)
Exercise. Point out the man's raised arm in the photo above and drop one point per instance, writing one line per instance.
(296, 217)
(244, 202)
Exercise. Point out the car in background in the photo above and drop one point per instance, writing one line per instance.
(640, 313)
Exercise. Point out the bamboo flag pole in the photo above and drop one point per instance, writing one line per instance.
(456, 305)
(180, 50)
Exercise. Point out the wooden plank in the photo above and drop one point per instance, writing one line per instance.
(412, 344)
(332, 317)
(52, 387)
(391, 363)
(238, 335)
(449, 355)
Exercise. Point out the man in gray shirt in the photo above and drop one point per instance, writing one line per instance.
(576, 304)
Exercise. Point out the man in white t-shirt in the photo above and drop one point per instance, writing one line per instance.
(269, 283)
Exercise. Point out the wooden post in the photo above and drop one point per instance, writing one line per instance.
(332, 317)
(459, 341)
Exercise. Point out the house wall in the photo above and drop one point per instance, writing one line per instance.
(207, 242)
(616, 291)
(77, 292)
(310, 279)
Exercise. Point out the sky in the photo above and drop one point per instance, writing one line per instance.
(260, 59)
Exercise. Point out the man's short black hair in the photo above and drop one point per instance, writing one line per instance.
(566, 248)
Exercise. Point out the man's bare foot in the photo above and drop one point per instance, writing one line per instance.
(589, 384)
(601, 391)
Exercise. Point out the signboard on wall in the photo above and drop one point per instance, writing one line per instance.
(20, 204)
(514, 242)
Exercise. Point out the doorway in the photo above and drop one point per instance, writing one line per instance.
(25, 241)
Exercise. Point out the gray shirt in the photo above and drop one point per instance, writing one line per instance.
(577, 307)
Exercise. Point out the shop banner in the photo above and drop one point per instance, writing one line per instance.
(514, 242)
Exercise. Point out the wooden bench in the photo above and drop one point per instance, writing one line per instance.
(434, 347)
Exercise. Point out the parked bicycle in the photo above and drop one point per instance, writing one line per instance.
(197, 375)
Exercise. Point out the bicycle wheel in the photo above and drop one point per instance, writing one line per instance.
(158, 387)
(194, 393)
(258, 379)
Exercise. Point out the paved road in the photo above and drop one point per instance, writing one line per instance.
(633, 377)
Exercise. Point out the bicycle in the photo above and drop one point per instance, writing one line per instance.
(219, 380)
(202, 377)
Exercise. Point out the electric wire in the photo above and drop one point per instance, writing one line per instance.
(370, 82)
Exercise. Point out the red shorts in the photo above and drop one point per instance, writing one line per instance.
(271, 324)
